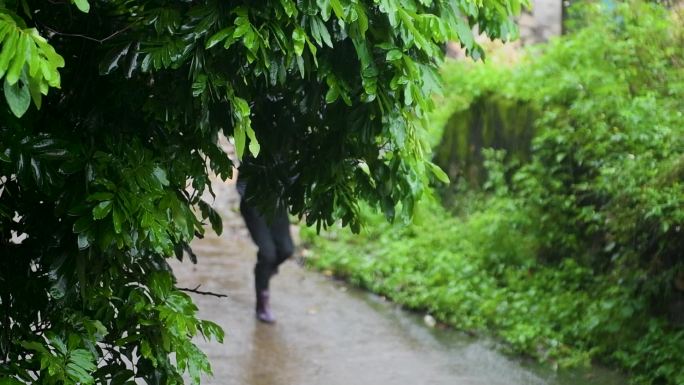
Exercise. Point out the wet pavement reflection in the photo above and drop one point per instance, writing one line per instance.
(329, 334)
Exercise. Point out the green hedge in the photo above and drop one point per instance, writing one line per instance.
(575, 255)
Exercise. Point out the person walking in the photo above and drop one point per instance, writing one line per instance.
(271, 234)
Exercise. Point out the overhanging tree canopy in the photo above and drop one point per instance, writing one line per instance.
(329, 97)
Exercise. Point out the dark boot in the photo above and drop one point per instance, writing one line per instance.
(263, 308)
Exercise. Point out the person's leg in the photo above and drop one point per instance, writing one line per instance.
(280, 233)
(266, 258)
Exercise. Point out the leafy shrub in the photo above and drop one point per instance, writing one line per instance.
(576, 254)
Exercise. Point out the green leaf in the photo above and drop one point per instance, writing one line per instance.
(243, 26)
(438, 173)
(316, 31)
(240, 138)
(36, 95)
(34, 345)
(300, 65)
(211, 329)
(338, 9)
(8, 51)
(146, 351)
(112, 59)
(394, 54)
(324, 33)
(58, 343)
(408, 95)
(465, 34)
(299, 38)
(325, 8)
(122, 377)
(219, 37)
(102, 209)
(5, 157)
(83, 242)
(37, 172)
(100, 196)
(213, 216)
(15, 69)
(241, 112)
(18, 97)
(117, 220)
(332, 94)
(33, 61)
(160, 175)
(313, 50)
(82, 5)
(78, 374)
(289, 7)
(160, 284)
(254, 147)
(82, 358)
(82, 224)
(362, 21)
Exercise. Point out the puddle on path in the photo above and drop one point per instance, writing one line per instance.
(327, 334)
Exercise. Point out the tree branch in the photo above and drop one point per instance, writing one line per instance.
(202, 292)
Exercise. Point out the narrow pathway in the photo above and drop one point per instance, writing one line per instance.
(328, 334)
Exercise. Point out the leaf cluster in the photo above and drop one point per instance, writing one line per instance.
(28, 63)
(325, 101)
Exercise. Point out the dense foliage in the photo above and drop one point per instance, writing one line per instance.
(102, 178)
(575, 255)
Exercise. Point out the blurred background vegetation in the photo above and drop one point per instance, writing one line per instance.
(562, 230)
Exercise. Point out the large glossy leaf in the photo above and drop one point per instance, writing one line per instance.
(18, 97)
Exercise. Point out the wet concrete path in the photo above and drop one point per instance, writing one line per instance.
(329, 334)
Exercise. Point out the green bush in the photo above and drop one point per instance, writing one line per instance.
(576, 254)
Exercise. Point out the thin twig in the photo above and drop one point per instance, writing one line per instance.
(202, 292)
(86, 36)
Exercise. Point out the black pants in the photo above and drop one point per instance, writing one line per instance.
(273, 240)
